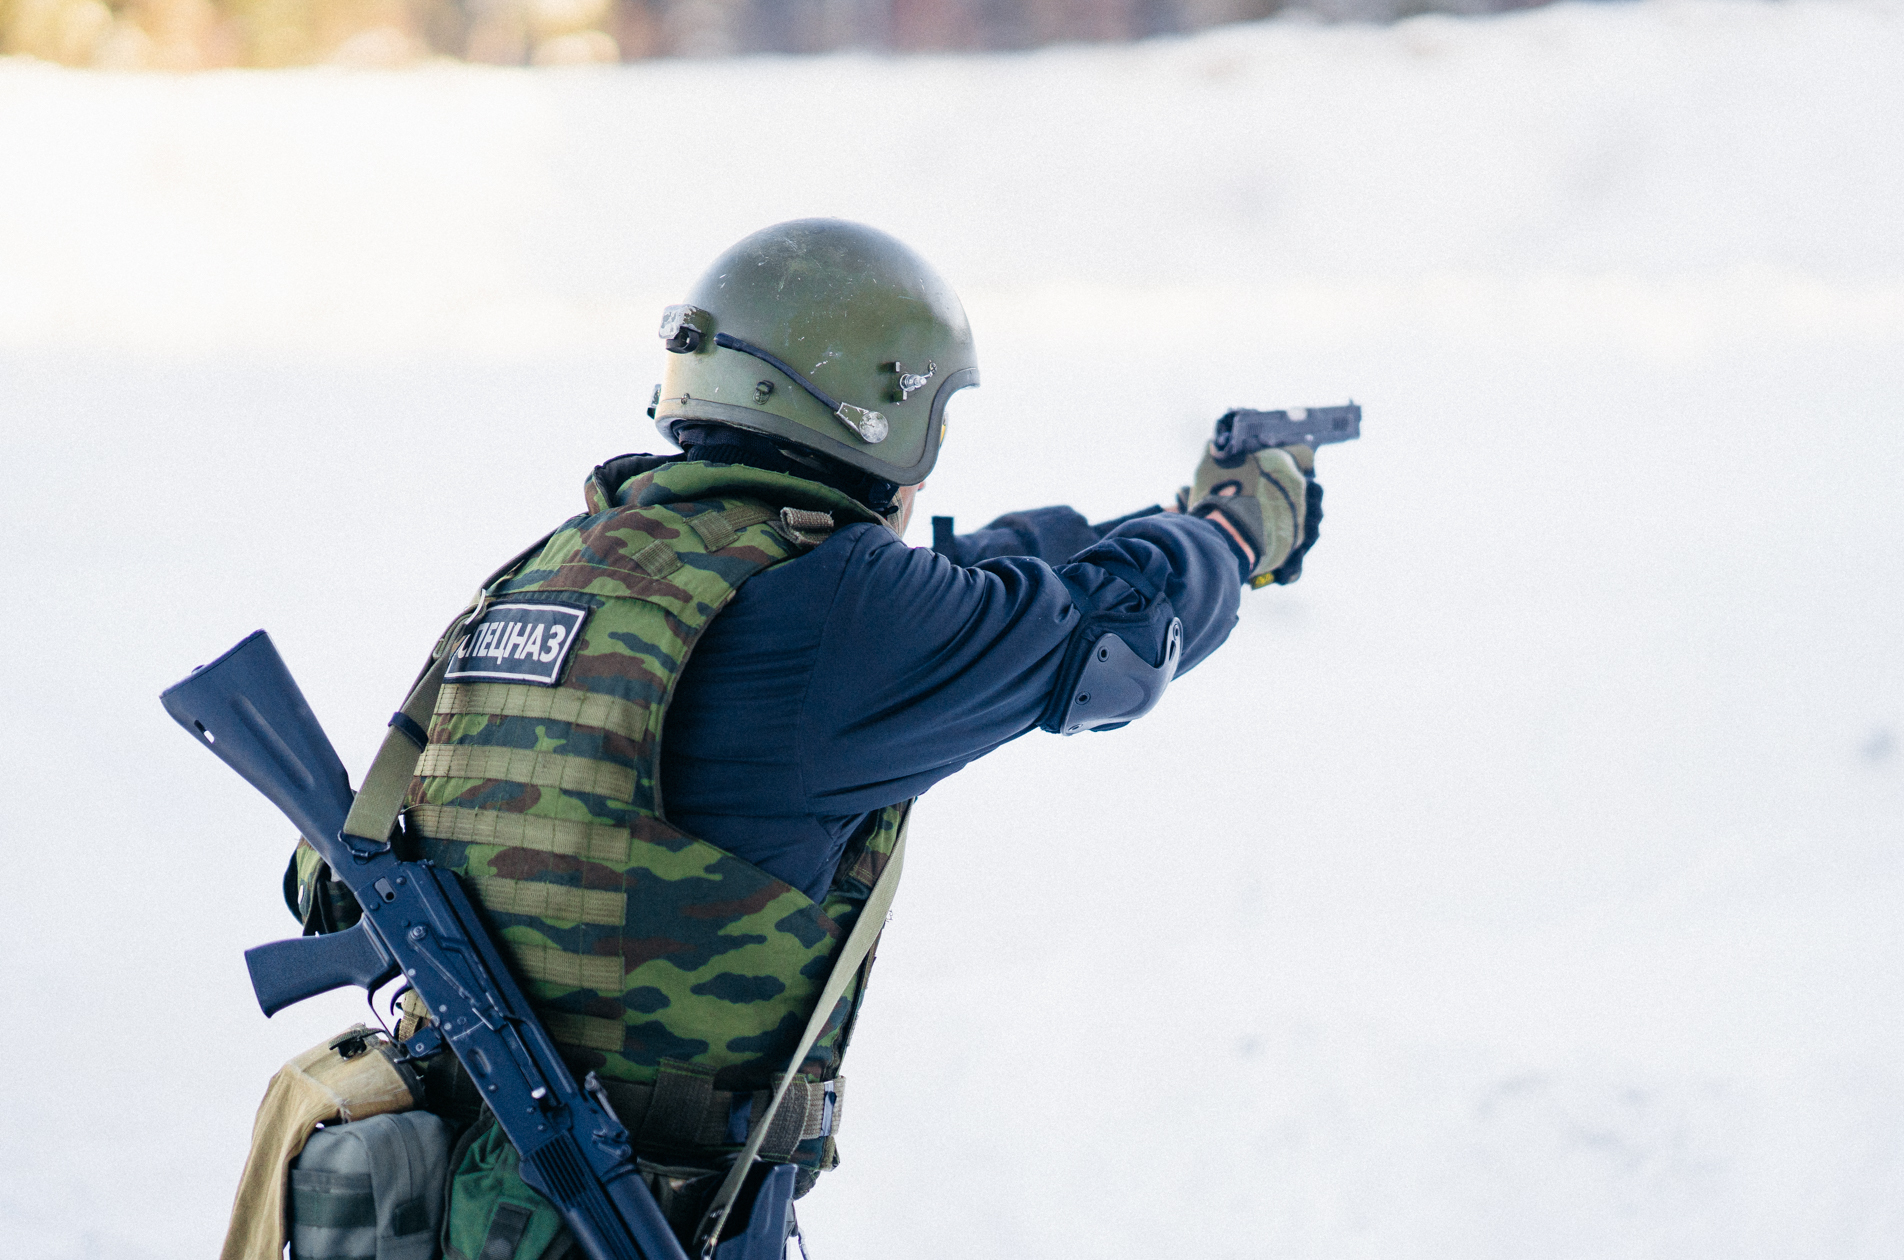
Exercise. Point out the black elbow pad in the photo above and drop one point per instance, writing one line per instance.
(1106, 681)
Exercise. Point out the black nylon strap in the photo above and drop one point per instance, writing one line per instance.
(723, 444)
(506, 1228)
(330, 1209)
(411, 1217)
(405, 723)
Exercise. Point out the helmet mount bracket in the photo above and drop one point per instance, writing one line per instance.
(911, 382)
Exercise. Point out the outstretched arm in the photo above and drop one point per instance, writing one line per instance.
(924, 665)
(1051, 534)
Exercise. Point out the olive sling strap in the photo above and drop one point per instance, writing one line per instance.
(859, 943)
(380, 800)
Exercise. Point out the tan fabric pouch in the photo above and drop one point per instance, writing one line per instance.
(351, 1077)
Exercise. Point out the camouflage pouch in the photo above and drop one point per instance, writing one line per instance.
(492, 1213)
(319, 900)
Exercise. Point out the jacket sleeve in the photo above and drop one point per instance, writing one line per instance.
(925, 664)
(1052, 534)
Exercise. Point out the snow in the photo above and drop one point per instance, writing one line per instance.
(1527, 882)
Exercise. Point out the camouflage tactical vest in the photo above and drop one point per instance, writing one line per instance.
(655, 959)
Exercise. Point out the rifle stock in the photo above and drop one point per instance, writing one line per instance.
(246, 708)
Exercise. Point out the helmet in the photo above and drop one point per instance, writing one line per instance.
(827, 335)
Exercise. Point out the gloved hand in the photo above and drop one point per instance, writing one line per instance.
(1270, 497)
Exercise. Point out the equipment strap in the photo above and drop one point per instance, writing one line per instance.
(859, 943)
(526, 765)
(582, 708)
(380, 799)
(597, 842)
(811, 1109)
(550, 901)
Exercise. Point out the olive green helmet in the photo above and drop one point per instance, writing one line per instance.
(827, 335)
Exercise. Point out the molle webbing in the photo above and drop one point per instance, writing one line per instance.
(658, 559)
(523, 765)
(550, 901)
(717, 530)
(594, 842)
(591, 1031)
(721, 529)
(583, 708)
(577, 971)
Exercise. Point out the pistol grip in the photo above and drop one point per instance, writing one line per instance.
(286, 972)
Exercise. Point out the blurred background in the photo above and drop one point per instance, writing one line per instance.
(1527, 883)
(204, 34)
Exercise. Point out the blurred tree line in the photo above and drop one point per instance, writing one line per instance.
(204, 34)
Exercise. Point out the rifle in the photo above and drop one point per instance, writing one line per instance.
(1241, 431)
(417, 920)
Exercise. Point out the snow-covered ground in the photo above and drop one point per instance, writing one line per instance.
(1528, 882)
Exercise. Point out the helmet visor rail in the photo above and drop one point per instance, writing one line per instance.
(868, 426)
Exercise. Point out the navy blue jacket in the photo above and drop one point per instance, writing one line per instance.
(865, 671)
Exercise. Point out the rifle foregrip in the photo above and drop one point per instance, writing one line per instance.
(284, 973)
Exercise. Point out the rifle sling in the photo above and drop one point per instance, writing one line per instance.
(859, 943)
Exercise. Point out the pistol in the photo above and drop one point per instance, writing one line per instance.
(1241, 431)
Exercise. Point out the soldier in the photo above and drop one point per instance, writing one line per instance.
(678, 746)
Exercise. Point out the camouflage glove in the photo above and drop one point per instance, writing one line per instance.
(1272, 499)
